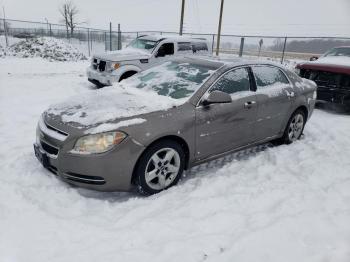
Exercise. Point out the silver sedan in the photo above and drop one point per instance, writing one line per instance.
(145, 131)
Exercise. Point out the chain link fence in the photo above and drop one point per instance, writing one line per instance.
(90, 40)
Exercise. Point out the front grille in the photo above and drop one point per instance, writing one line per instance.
(99, 65)
(102, 66)
(56, 130)
(327, 79)
(52, 131)
(94, 63)
(49, 149)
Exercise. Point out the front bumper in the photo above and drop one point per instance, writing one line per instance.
(104, 78)
(334, 95)
(109, 171)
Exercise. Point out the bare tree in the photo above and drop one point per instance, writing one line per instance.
(69, 13)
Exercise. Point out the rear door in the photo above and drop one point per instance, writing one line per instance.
(200, 48)
(275, 99)
(222, 127)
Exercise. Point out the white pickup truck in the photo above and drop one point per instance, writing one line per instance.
(142, 53)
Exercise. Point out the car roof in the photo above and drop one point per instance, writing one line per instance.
(217, 62)
(175, 38)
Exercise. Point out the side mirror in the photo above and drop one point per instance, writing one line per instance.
(313, 58)
(161, 52)
(217, 97)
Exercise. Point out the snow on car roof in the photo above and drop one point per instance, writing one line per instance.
(177, 38)
(217, 61)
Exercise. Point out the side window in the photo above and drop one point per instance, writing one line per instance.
(266, 76)
(165, 49)
(233, 81)
(199, 46)
(184, 46)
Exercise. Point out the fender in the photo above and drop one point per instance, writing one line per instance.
(125, 68)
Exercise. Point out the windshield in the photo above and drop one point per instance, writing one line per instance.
(173, 79)
(143, 44)
(339, 51)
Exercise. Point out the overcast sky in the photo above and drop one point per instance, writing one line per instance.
(272, 17)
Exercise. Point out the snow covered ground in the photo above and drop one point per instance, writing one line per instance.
(286, 203)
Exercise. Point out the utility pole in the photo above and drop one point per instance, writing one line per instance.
(119, 38)
(219, 28)
(182, 16)
(110, 36)
(47, 24)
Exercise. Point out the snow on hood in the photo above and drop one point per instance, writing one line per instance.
(152, 90)
(333, 60)
(105, 127)
(109, 104)
(128, 53)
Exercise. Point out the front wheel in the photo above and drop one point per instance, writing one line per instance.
(294, 127)
(160, 167)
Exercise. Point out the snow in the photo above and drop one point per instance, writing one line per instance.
(130, 97)
(125, 54)
(286, 203)
(49, 48)
(2, 51)
(333, 60)
(107, 104)
(130, 51)
(105, 127)
(273, 90)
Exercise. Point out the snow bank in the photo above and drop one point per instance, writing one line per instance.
(2, 51)
(49, 48)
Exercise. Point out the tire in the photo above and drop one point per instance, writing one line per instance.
(160, 167)
(127, 75)
(295, 127)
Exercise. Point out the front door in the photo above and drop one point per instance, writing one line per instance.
(162, 54)
(223, 127)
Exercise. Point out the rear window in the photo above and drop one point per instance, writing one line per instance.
(184, 46)
(199, 46)
(339, 51)
(266, 76)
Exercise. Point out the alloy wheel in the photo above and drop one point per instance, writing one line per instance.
(162, 168)
(296, 127)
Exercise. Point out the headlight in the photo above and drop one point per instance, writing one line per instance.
(115, 65)
(98, 143)
(112, 66)
(297, 71)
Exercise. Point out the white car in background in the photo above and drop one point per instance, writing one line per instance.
(142, 53)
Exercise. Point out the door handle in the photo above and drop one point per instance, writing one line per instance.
(249, 104)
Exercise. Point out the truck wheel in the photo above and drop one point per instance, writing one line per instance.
(126, 75)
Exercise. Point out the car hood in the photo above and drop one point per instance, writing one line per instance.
(108, 108)
(336, 64)
(124, 55)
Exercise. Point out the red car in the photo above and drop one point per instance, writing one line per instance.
(331, 72)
